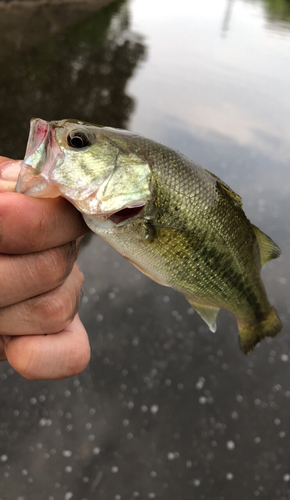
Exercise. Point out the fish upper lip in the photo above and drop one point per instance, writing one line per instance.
(41, 155)
(37, 134)
(39, 147)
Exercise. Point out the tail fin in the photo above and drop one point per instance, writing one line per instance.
(252, 333)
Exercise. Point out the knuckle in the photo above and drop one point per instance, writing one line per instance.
(2, 349)
(56, 312)
(40, 228)
(79, 276)
(55, 264)
(71, 250)
(53, 311)
(51, 267)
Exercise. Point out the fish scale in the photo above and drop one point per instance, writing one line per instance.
(175, 221)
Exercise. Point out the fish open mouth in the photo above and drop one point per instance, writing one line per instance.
(125, 214)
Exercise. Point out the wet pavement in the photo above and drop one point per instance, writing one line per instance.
(166, 409)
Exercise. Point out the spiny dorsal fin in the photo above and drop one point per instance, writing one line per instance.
(208, 313)
(268, 249)
(234, 196)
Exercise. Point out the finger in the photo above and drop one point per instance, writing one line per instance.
(50, 312)
(7, 186)
(9, 171)
(31, 224)
(2, 350)
(26, 276)
(55, 356)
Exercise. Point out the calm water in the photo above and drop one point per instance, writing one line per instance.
(166, 409)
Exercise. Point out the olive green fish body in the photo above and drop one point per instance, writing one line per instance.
(174, 220)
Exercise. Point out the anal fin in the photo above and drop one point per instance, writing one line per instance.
(207, 313)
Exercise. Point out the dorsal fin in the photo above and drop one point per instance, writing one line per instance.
(268, 249)
(234, 196)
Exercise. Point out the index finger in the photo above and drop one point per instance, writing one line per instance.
(32, 224)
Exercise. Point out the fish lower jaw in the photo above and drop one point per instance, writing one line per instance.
(99, 224)
(35, 185)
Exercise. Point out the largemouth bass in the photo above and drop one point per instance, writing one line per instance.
(175, 221)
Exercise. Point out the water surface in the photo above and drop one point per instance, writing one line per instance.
(166, 409)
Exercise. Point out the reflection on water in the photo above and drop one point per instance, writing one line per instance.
(25, 23)
(166, 409)
(80, 72)
(278, 10)
(227, 17)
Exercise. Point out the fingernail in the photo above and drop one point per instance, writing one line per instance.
(9, 170)
(7, 186)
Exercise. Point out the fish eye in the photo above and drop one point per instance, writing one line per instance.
(78, 139)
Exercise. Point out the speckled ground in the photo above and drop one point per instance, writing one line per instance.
(166, 409)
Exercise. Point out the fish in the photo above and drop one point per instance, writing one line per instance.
(174, 220)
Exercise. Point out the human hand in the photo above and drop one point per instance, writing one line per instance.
(41, 335)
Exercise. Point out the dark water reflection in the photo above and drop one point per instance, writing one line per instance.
(278, 11)
(81, 71)
(166, 409)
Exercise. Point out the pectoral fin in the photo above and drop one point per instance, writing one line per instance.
(208, 313)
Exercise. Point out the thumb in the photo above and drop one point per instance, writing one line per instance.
(9, 171)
